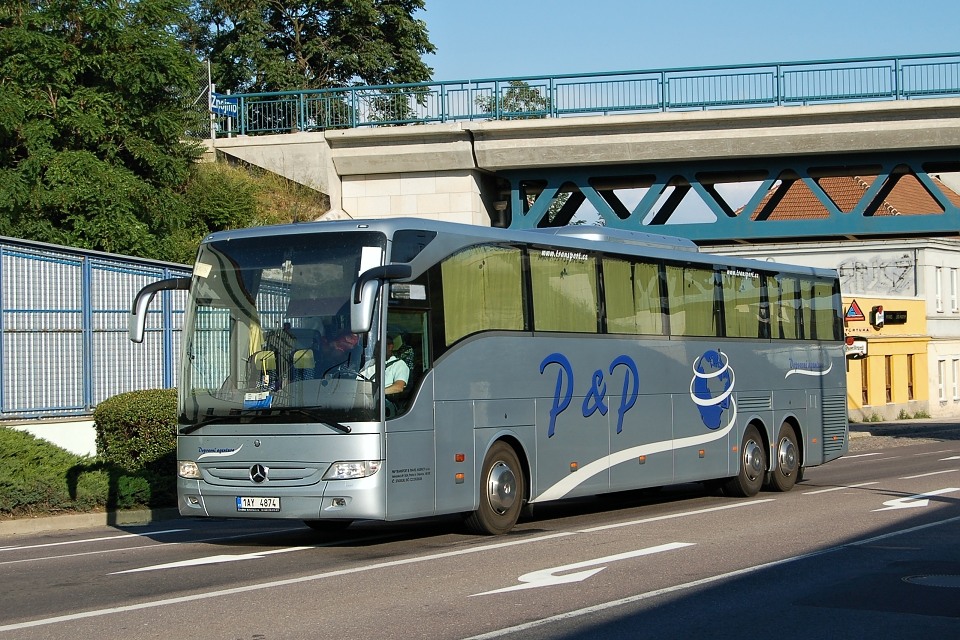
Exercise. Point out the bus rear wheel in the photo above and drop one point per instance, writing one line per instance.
(502, 487)
(788, 460)
(753, 466)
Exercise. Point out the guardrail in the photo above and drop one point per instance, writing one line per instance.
(616, 92)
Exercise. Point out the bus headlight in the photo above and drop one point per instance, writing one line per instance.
(188, 469)
(352, 469)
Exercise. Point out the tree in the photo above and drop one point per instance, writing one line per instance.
(92, 116)
(519, 102)
(277, 45)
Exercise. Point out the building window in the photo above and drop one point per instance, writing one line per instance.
(863, 382)
(953, 291)
(956, 379)
(938, 285)
(888, 376)
(941, 380)
(910, 377)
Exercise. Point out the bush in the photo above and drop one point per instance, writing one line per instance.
(39, 478)
(137, 443)
(137, 428)
(136, 466)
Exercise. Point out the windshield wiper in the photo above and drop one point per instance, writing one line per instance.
(278, 411)
(313, 414)
(202, 423)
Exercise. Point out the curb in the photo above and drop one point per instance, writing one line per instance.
(135, 517)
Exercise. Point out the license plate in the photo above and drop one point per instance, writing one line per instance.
(261, 503)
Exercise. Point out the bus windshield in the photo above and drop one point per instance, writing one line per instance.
(267, 333)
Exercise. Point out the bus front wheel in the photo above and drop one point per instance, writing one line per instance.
(501, 492)
(753, 466)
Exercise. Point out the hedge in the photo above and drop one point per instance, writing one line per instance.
(135, 466)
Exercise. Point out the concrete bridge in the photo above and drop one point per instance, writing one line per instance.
(638, 171)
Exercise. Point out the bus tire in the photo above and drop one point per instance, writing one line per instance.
(753, 467)
(788, 460)
(502, 488)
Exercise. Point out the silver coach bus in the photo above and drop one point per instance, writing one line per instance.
(538, 365)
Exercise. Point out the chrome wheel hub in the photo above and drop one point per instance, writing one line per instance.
(501, 488)
(787, 457)
(752, 460)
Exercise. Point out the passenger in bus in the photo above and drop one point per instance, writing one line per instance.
(336, 352)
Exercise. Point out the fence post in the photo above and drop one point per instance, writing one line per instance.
(168, 355)
(86, 331)
(664, 91)
(3, 307)
(553, 98)
(443, 102)
(897, 84)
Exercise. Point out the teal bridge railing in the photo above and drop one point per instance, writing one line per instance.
(615, 92)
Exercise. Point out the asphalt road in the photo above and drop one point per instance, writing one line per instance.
(867, 546)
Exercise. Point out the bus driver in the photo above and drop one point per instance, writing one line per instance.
(396, 372)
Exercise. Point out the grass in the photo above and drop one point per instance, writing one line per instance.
(903, 415)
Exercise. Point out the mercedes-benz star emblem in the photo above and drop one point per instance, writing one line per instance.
(258, 473)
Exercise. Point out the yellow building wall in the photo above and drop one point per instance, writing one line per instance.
(889, 351)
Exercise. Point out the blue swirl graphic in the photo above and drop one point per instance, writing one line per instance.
(711, 387)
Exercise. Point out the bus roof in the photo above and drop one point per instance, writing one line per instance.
(593, 238)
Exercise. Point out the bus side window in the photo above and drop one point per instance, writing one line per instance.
(691, 295)
(741, 305)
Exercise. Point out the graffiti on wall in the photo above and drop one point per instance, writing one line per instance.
(883, 274)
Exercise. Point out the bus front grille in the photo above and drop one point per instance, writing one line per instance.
(280, 474)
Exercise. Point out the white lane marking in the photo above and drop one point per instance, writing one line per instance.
(320, 576)
(671, 516)
(932, 473)
(548, 577)
(196, 562)
(849, 486)
(276, 583)
(950, 458)
(155, 545)
(86, 540)
(911, 502)
(569, 615)
(861, 455)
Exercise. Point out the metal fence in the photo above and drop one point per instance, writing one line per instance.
(63, 328)
(767, 84)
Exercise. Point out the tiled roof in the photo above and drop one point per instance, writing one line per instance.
(907, 197)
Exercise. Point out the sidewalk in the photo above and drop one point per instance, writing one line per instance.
(139, 517)
(946, 429)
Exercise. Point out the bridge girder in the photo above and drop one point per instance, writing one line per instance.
(649, 196)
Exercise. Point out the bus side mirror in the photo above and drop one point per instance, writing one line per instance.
(365, 293)
(137, 321)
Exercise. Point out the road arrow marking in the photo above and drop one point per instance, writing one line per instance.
(547, 577)
(196, 562)
(919, 500)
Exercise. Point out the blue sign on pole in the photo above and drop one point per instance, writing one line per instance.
(224, 105)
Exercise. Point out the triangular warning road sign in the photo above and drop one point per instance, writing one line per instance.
(853, 312)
